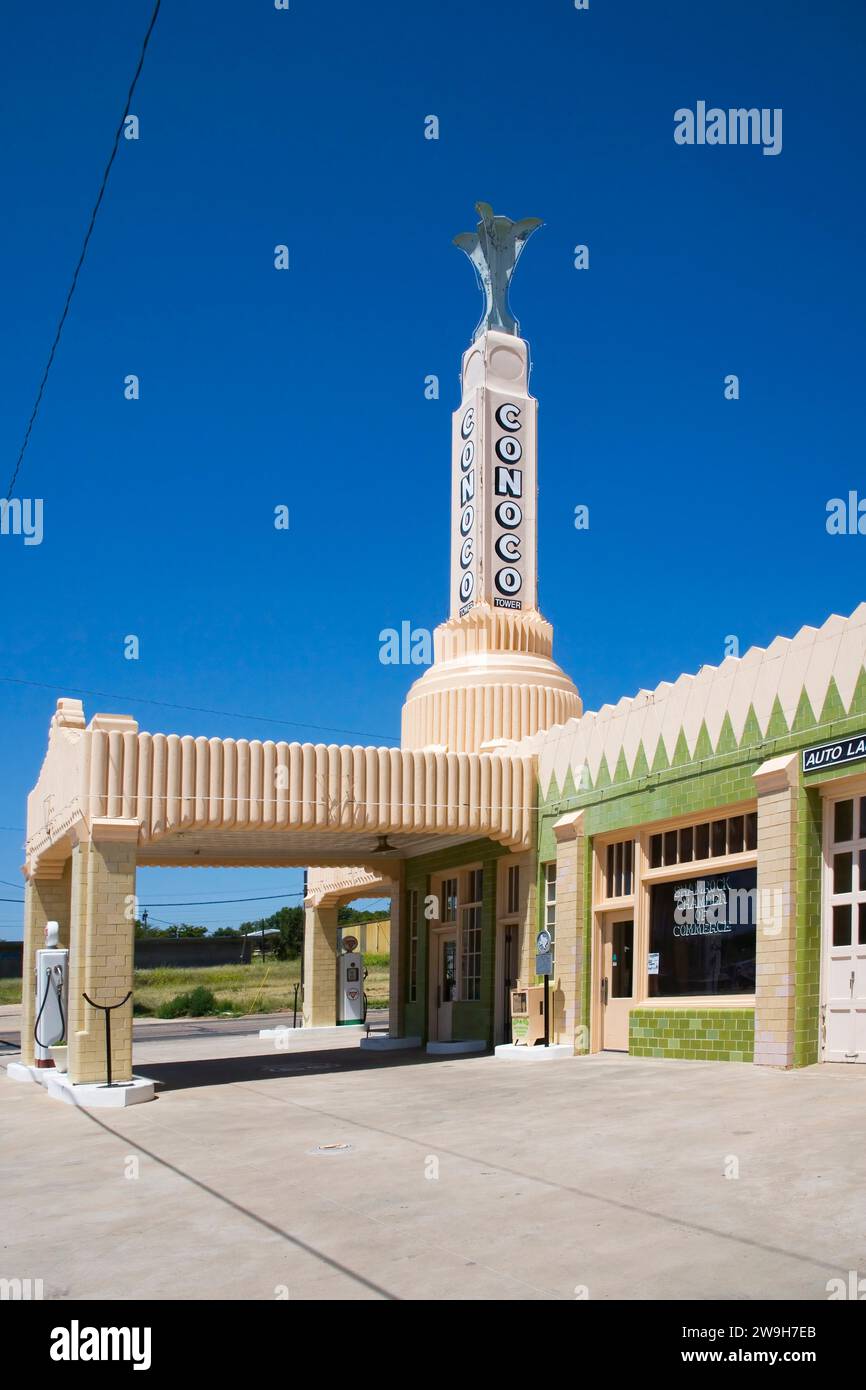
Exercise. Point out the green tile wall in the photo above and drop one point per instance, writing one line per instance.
(707, 1035)
(690, 786)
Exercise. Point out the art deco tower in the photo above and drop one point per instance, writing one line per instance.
(493, 678)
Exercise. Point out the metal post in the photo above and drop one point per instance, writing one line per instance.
(547, 1011)
(107, 1010)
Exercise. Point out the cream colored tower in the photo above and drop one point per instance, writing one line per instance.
(493, 677)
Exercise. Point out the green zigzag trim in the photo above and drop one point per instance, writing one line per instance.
(804, 720)
(805, 716)
(777, 725)
(833, 708)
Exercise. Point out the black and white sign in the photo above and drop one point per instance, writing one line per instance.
(849, 749)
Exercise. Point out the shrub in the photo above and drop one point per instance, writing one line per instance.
(195, 1004)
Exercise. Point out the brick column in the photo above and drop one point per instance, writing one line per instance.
(101, 954)
(320, 967)
(776, 939)
(569, 957)
(399, 954)
(46, 899)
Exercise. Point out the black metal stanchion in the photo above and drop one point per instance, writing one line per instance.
(107, 1009)
(547, 1011)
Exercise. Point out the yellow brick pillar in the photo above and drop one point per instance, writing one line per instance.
(101, 954)
(568, 958)
(46, 899)
(399, 955)
(320, 967)
(776, 938)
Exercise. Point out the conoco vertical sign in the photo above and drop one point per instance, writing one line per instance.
(493, 506)
(467, 542)
(507, 500)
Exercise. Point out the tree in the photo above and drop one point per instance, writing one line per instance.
(289, 922)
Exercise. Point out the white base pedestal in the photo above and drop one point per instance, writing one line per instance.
(383, 1042)
(88, 1095)
(456, 1049)
(555, 1053)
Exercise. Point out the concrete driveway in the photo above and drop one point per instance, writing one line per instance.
(469, 1178)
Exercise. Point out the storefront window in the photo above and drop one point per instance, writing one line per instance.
(848, 874)
(413, 945)
(470, 935)
(449, 900)
(512, 897)
(620, 869)
(702, 935)
(550, 906)
(708, 840)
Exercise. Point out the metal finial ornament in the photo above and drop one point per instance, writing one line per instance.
(494, 249)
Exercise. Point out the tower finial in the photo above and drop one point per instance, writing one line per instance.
(494, 249)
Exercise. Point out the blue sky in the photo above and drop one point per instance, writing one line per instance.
(305, 387)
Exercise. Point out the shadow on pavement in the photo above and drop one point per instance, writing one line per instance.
(224, 1071)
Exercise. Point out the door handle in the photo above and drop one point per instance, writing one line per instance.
(852, 984)
(604, 990)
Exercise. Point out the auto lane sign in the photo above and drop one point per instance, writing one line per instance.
(842, 750)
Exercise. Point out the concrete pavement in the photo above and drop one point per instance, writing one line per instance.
(465, 1178)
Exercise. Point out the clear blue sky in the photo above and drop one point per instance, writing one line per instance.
(258, 387)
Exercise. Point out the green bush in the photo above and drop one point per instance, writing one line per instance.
(195, 1004)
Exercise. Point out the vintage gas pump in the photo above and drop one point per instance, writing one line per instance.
(52, 990)
(350, 987)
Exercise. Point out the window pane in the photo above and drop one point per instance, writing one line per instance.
(617, 872)
(842, 925)
(622, 967)
(449, 900)
(655, 851)
(719, 836)
(687, 837)
(842, 867)
(843, 821)
(704, 946)
(735, 835)
(513, 897)
(670, 847)
(629, 866)
(862, 816)
(471, 940)
(702, 841)
(610, 871)
(863, 871)
(862, 927)
(752, 830)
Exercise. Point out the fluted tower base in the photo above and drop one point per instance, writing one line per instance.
(493, 679)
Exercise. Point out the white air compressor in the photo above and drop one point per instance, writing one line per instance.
(350, 985)
(52, 995)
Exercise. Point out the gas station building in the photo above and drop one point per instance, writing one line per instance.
(696, 852)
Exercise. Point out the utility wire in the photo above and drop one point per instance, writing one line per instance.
(83, 253)
(212, 902)
(191, 709)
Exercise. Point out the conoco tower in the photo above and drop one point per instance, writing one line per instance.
(493, 676)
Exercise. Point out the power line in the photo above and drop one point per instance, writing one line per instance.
(191, 709)
(71, 290)
(212, 902)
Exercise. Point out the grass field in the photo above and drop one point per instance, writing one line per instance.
(260, 988)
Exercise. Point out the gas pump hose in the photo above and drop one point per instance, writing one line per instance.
(58, 989)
